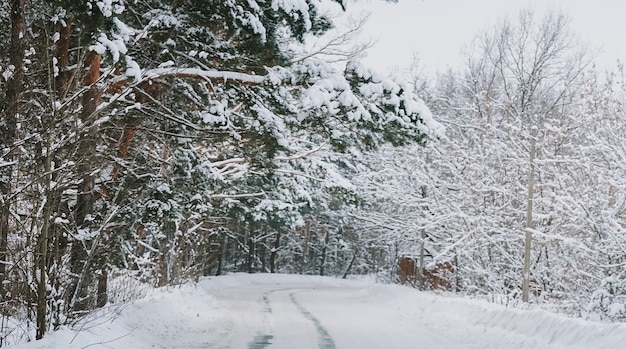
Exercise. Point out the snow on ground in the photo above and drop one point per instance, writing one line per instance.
(290, 311)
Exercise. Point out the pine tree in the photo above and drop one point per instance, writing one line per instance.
(161, 138)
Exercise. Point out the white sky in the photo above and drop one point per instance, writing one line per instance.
(437, 30)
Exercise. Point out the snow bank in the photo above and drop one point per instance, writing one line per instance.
(218, 309)
(573, 333)
(168, 318)
(539, 326)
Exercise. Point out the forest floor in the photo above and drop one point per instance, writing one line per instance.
(258, 311)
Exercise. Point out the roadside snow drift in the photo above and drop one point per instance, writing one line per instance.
(290, 311)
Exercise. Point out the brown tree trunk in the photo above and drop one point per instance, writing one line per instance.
(62, 54)
(8, 131)
(102, 297)
(84, 205)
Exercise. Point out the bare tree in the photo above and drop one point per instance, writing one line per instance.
(529, 67)
(340, 45)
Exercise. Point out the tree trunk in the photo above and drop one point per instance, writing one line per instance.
(8, 130)
(42, 250)
(102, 296)
(62, 54)
(251, 251)
(457, 278)
(529, 217)
(305, 243)
(274, 253)
(220, 258)
(262, 254)
(85, 199)
(347, 271)
(420, 270)
(323, 253)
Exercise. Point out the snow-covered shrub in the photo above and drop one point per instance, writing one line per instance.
(609, 301)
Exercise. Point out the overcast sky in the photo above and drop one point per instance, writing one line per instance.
(437, 29)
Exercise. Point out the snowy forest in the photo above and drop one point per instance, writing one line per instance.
(154, 142)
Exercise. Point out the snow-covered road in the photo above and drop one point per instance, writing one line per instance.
(317, 313)
(302, 312)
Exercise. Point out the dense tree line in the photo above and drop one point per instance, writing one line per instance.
(156, 142)
(528, 101)
(161, 141)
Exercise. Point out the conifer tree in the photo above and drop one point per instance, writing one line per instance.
(159, 139)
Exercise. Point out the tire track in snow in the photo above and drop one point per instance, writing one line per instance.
(263, 339)
(325, 341)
